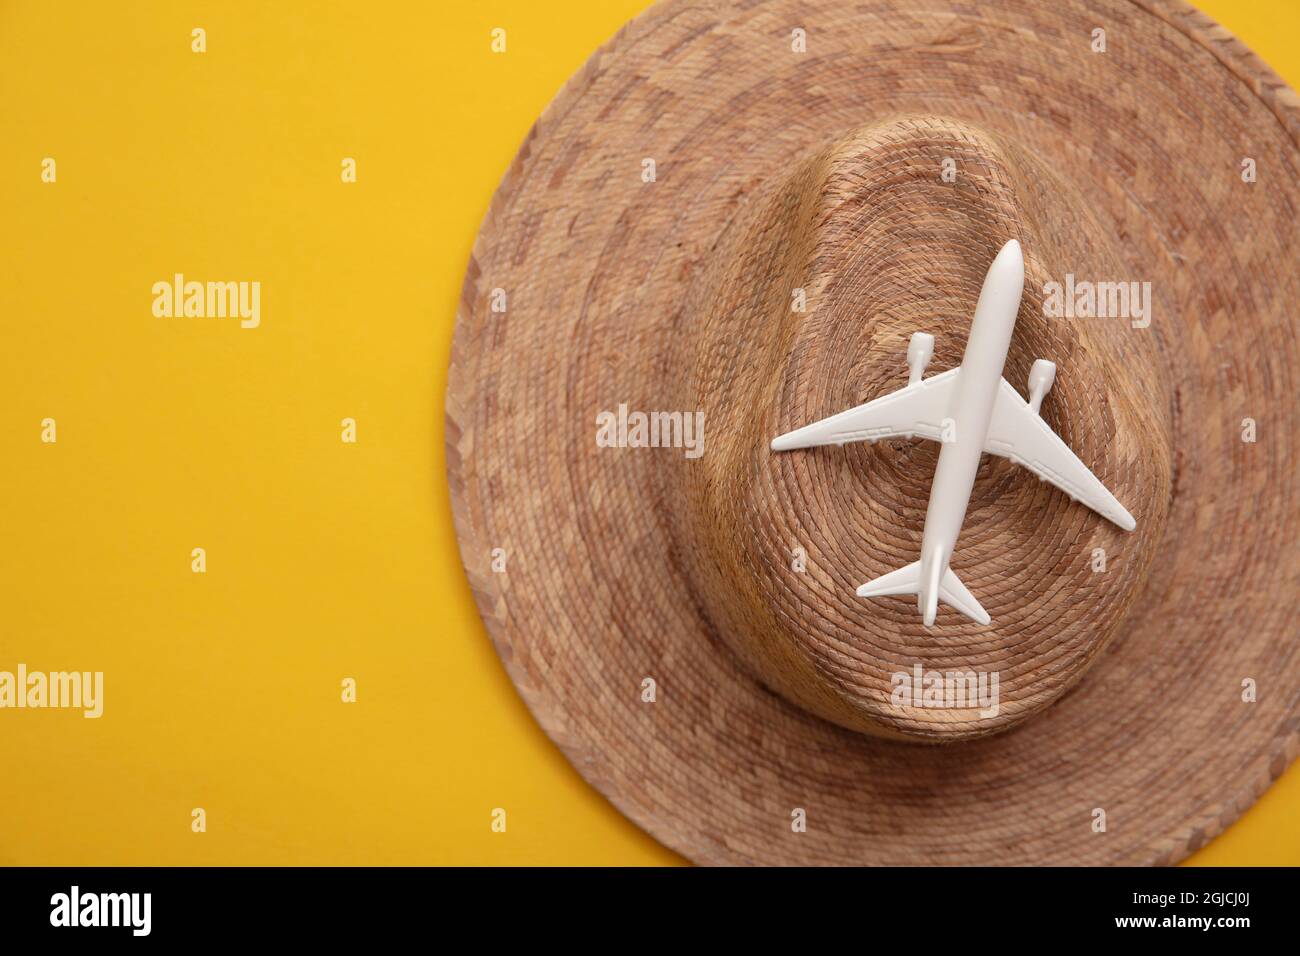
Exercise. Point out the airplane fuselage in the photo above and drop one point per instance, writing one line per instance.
(972, 410)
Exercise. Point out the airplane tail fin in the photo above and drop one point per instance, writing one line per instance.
(948, 588)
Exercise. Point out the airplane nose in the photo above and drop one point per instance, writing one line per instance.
(1010, 254)
(1009, 264)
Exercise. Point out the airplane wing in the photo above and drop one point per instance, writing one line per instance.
(915, 410)
(1018, 433)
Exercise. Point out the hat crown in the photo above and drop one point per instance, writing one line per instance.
(806, 310)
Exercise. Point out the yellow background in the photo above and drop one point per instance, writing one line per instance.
(325, 560)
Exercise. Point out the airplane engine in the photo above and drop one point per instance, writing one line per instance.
(919, 351)
(1041, 377)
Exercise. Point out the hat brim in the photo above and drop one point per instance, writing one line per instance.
(593, 265)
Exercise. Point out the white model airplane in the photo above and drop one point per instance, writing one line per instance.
(971, 409)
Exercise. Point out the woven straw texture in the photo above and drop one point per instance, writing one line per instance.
(819, 171)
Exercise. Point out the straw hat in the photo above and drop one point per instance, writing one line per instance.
(737, 213)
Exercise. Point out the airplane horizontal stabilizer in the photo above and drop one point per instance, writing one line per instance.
(903, 581)
(954, 594)
(907, 580)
